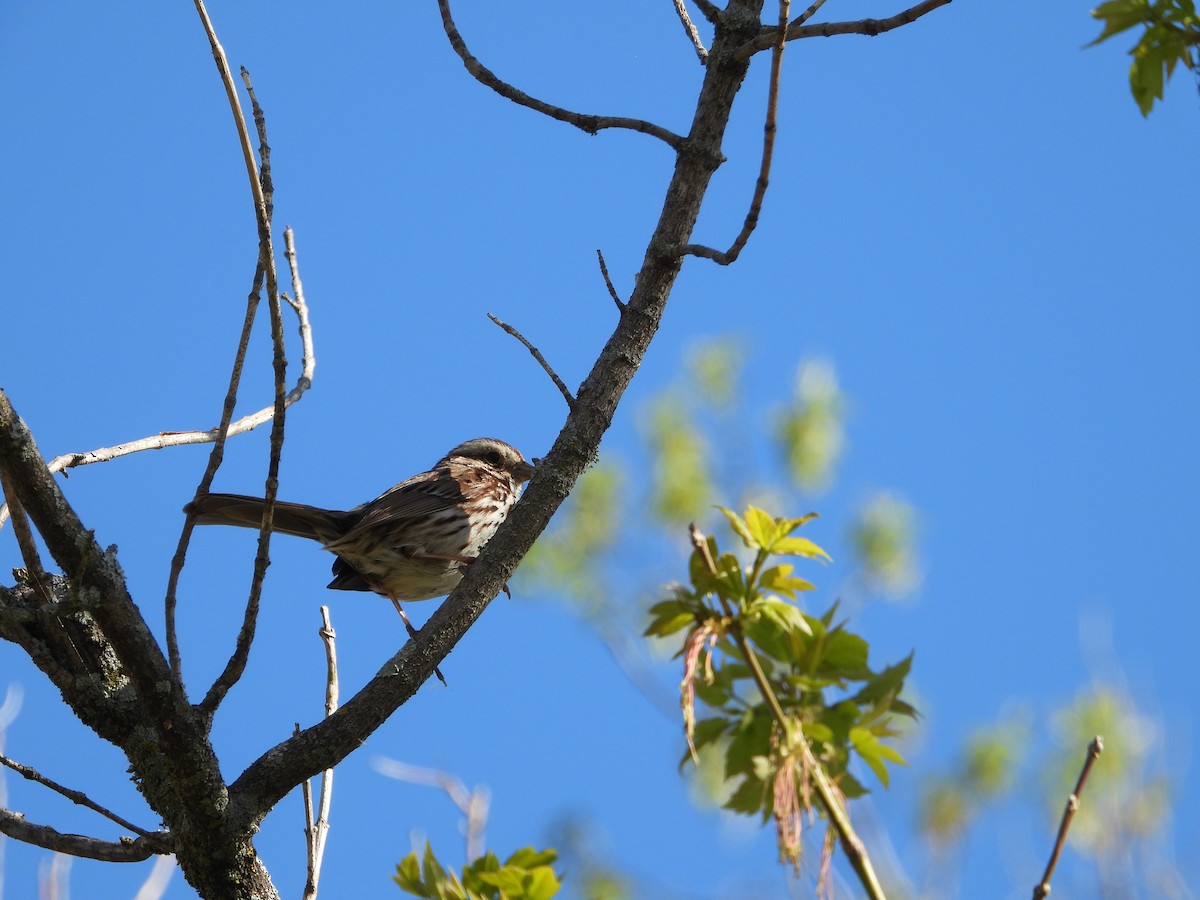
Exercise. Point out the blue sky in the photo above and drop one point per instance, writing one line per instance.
(968, 216)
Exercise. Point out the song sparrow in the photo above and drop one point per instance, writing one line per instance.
(413, 540)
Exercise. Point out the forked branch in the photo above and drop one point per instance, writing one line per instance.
(869, 27)
(726, 257)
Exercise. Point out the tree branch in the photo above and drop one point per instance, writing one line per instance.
(1095, 748)
(282, 767)
(588, 123)
(77, 797)
(764, 169)
(869, 27)
(692, 33)
(537, 354)
(15, 826)
(316, 828)
(612, 291)
(709, 10)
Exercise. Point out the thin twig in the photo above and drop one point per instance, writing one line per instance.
(317, 829)
(764, 169)
(260, 186)
(1095, 748)
(74, 796)
(590, 124)
(612, 291)
(472, 803)
(692, 33)
(869, 27)
(558, 382)
(852, 845)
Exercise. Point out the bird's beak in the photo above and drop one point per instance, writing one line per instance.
(523, 471)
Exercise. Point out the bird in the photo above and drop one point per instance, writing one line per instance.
(414, 540)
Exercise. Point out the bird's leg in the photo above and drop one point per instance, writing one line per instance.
(412, 633)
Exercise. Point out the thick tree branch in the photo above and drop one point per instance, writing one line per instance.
(709, 10)
(869, 27)
(15, 826)
(588, 123)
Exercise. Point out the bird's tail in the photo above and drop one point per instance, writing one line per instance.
(312, 522)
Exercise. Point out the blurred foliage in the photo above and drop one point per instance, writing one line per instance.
(526, 875)
(776, 678)
(810, 427)
(882, 538)
(703, 441)
(985, 771)
(1170, 34)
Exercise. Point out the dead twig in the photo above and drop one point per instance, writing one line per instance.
(692, 33)
(1095, 748)
(316, 828)
(558, 382)
(612, 291)
(764, 169)
(590, 124)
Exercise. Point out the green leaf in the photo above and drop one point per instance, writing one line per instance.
(408, 876)
(749, 798)
(868, 748)
(887, 684)
(799, 546)
(780, 580)
(1118, 16)
(708, 730)
(669, 624)
(844, 654)
(528, 858)
(738, 524)
(761, 526)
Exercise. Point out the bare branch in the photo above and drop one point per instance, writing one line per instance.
(74, 796)
(317, 829)
(692, 33)
(590, 124)
(236, 665)
(1095, 748)
(764, 169)
(612, 291)
(869, 27)
(558, 382)
(15, 826)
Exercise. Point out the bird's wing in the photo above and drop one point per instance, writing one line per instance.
(419, 497)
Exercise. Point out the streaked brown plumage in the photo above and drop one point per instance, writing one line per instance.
(413, 540)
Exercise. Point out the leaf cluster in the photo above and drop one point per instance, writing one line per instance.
(1171, 32)
(526, 875)
(774, 675)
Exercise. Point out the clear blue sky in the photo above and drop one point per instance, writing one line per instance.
(968, 216)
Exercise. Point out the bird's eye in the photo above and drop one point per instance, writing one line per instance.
(493, 457)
